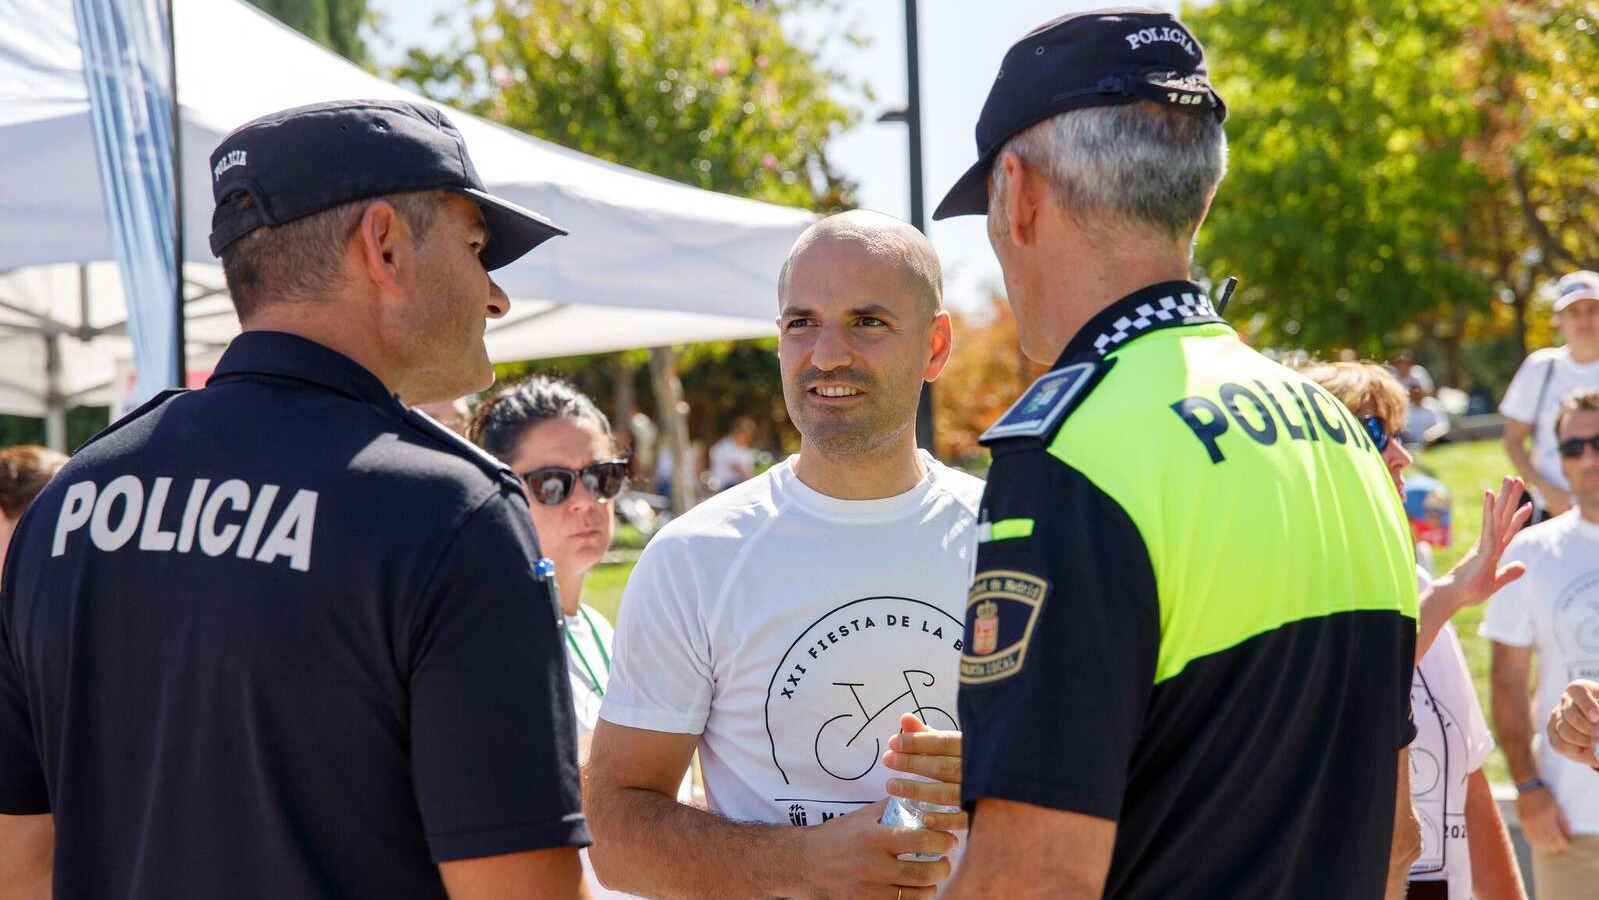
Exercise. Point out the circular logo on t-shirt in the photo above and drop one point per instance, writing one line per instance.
(839, 691)
(1576, 625)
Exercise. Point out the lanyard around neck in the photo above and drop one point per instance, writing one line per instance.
(605, 657)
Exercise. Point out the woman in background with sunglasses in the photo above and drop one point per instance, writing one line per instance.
(1466, 851)
(558, 442)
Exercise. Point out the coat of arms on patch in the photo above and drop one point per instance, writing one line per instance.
(1001, 610)
(985, 629)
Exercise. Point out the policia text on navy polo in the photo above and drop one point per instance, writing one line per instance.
(1193, 614)
(282, 637)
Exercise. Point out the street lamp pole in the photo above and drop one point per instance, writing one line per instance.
(913, 121)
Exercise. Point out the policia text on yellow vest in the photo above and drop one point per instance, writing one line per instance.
(1315, 414)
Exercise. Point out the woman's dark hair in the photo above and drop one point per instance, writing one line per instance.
(499, 422)
(24, 471)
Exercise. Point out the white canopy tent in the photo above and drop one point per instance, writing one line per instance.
(650, 262)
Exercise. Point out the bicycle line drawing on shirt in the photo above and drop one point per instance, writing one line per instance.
(944, 722)
(836, 687)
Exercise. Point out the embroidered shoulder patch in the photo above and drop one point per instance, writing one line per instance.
(1042, 407)
(1001, 610)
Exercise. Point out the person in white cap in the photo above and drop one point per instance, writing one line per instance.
(1532, 401)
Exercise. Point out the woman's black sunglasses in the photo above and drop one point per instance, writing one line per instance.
(1378, 430)
(551, 485)
(1571, 448)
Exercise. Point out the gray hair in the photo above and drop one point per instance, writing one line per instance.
(1135, 164)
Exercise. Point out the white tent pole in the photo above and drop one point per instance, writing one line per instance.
(55, 410)
(83, 300)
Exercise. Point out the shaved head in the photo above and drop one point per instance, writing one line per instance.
(885, 240)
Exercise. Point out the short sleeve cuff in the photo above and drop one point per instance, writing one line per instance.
(569, 831)
(668, 721)
(1515, 414)
(1101, 804)
(1503, 635)
(24, 802)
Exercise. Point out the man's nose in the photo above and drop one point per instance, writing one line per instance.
(499, 303)
(831, 350)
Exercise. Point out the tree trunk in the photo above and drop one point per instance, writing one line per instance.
(1456, 375)
(624, 399)
(673, 412)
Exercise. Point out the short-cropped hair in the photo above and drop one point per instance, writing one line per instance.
(1579, 400)
(303, 259)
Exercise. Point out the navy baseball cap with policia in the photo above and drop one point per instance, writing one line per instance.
(1104, 57)
(307, 159)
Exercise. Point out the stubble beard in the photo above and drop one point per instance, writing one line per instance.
(843, 432)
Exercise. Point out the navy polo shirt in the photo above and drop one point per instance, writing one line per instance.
(282, 637)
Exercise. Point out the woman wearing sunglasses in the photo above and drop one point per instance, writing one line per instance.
(559, 444)
(1466, 851)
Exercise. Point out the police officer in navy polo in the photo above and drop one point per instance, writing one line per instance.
(1190, 633)
(282, 637)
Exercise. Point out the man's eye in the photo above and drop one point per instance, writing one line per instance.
(873, 322)
(796, 323)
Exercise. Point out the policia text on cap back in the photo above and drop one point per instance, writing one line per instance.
(1189, 638)
(282, 636)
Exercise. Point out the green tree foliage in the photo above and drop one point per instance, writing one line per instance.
(83, 422)
(707, 92)
(335, 24)
(1341, 210)
(1402, 169)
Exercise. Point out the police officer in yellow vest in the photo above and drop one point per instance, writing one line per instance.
(1190, 635)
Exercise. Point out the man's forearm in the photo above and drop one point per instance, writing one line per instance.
(27, 852)
(649, 844)
(1438, 604)
(1516, 449)
(1406, 844)
(1512, 714)
(1494, 874)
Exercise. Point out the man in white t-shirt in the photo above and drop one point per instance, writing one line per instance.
(732, 457)
(789, 628)
(1547, 375)
(1553, 610)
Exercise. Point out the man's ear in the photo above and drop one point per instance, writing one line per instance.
(1020, 198)
(943, 343)
(383, 248)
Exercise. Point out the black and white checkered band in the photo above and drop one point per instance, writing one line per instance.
(1166, 310)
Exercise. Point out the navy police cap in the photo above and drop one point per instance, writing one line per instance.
(1104, 57)
(307, 159)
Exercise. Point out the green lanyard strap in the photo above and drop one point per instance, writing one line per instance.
(581, 658)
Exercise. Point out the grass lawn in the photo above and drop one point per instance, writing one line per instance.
(603, 587)
(1466, 469)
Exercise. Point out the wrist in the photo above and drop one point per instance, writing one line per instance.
(1446, 594)
(784, 874)
(1523, 788)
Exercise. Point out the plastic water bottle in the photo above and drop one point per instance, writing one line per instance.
(901, 813)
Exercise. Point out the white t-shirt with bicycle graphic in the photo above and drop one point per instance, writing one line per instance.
(1554, 609)
(790, 630)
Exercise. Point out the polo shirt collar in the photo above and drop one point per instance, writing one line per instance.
(282, 355)
(1166, 305)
